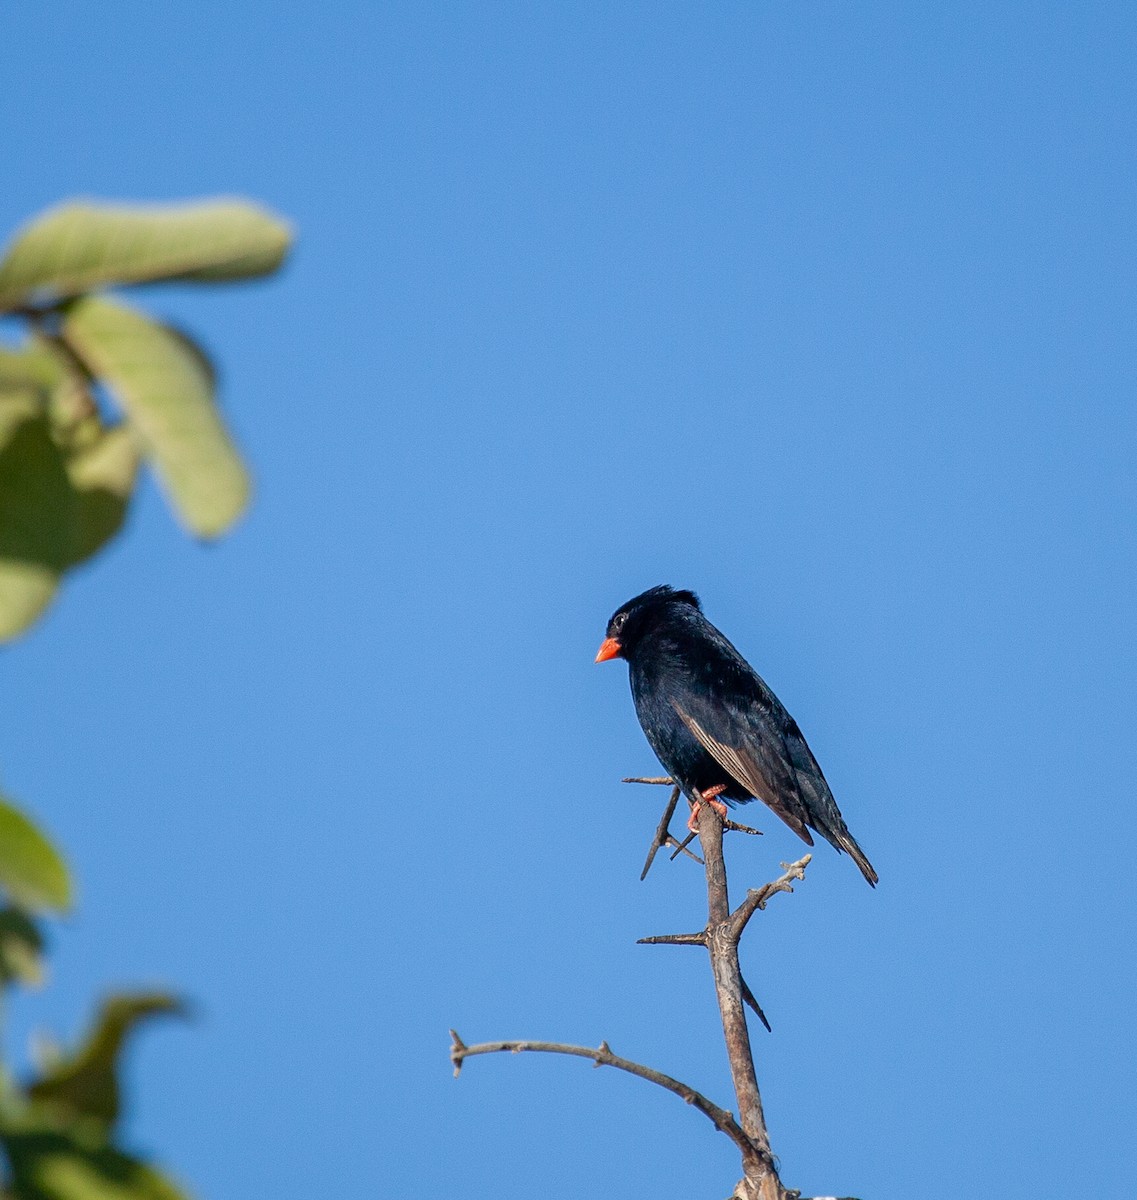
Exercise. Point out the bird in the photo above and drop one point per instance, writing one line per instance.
(714, 724)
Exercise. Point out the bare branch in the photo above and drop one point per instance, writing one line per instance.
(723, 947)
(603, 1057)
(721, 936)
(758, 898)
(675, 939)
(660, 779)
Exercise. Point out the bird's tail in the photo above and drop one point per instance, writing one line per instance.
(825, 817)
(845, 841)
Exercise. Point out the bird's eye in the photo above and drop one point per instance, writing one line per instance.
(618, 622)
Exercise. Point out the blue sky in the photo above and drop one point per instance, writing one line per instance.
(825, 311)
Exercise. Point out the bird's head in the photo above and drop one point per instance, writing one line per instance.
(632, 620)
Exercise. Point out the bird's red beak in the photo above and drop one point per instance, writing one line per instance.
(609, 648)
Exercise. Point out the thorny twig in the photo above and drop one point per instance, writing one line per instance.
(758, 898)
(603, 1057)
(721, 936)
(760, 1175)
(663, 835)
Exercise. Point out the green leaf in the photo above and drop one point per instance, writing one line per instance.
(43, 371)
(86, 1084)
(167, 396)
(79, 246)
(32, 871)
(20, 403)
(31, 368)
(55, 1164)
(37, 516)
(103, 476)
(21, 949)
(57, 506)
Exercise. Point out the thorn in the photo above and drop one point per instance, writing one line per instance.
(683, 845)
(682, 849)
(749, 998)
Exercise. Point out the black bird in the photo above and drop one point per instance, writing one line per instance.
(714, 724)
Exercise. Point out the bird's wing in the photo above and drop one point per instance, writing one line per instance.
(750, 747)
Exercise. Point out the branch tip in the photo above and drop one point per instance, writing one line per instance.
(603, 1056)
(457, 1052)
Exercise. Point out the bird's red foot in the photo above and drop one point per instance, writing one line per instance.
(709, 796)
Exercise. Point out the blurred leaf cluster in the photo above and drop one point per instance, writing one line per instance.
(58, 1127)
(94, 390)
(97, 388)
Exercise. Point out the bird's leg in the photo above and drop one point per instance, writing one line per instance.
(709, 797)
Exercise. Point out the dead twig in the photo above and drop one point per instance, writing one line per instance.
(675, 939)
(758, 898)
(721, 936)
(603, 1057)
(735, 827)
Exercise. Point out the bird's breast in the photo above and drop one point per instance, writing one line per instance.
(682, 756)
